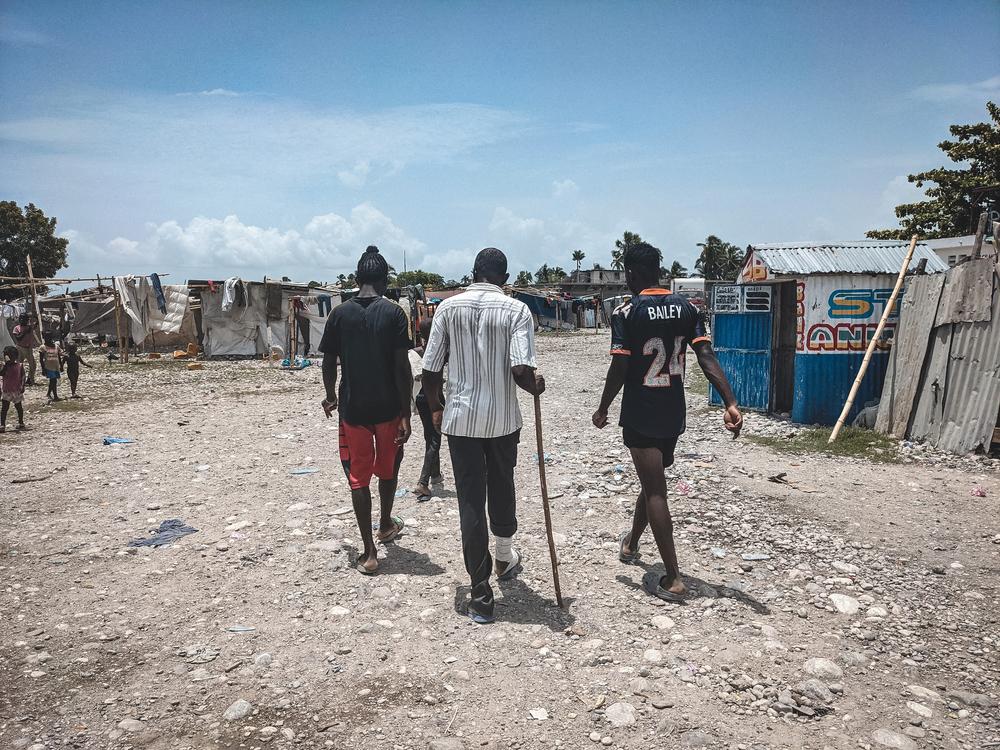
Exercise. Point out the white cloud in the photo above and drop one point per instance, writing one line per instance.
(949, 92)
(529, 242)
(564, 188)
(328, 245)
(900, 190)
(220, 138)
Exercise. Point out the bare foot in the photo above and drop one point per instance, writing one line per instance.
(367, 565)
(674, 587)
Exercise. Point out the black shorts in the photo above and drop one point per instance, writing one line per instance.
(666, 446)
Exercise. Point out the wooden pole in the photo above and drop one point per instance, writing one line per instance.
(34, 299)
(874, 340)
(977, 247)
(545, 499)
(118, 327)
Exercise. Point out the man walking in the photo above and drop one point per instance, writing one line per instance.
(487, 340)
(368, 334)
(25, 339)
(649, 336)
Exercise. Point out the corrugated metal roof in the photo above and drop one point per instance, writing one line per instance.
(862, 256)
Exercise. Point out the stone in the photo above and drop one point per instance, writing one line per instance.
(595, 736)
(846, 605)
(876, 611)
(661, 702)
(339, 611)
(298, 507)
(324, 545)
(853, 659)
(889, 738)
(823, 669)
(966, 698)
(662, 622)
(652, 655)
(920, 709)
(539, 714)
(263, 659)
(926, 694)
(620, 714)
(446, 743)
(131, 725)
(848, 568)
(815, 690)
(238, 710)
(697, 738)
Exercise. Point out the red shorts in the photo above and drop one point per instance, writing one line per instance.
(367, 450)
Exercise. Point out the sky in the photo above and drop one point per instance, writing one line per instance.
(212, 138)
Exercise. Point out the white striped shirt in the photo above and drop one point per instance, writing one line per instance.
(481, 333)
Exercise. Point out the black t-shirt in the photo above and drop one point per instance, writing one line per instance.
(366, 333)
(653, 330)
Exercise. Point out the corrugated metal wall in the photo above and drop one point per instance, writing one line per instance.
(743, 344)
(823, 382)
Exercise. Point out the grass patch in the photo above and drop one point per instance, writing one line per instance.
(851, 441)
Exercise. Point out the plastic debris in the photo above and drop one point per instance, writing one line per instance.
(978, 492)
(241, 629)
(117, 441)
(305, 470)
(683, 487)
(752, 556)
(169, 532)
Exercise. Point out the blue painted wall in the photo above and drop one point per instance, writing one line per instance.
(823, 381)
(743, 344)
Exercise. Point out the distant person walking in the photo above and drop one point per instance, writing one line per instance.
(25, 335)
(430, 472)
(368, 336)
(73, 362)
(649, 337)
(11, 387)
(50, 357)
(487, 340)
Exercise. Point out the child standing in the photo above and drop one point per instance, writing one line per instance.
(73, 362)
(50, 357)
(11, 387)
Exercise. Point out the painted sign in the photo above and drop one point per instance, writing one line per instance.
(737, 298)
(754, 270)
(839, 314)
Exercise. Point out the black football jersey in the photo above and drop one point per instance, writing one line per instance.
(653, 330)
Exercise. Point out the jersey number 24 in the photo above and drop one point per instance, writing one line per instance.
(656, 376)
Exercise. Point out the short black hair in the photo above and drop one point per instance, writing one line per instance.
(48, 339)
(642, 258)
(10, 351)
(490, 262)
(372, 267)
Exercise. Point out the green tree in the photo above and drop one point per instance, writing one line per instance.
(953, 203)
(578, 256)
(616, 260)
(523, 279)
(677, 271)
(719, 260)
(427, 279)
(549, 274)
(466, 280)
(451, 284)
(24, 233)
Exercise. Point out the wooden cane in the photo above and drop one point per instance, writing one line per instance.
(545, 499)
(889, 305)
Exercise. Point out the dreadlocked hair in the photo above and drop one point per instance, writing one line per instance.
(642, 257)
(372, 267)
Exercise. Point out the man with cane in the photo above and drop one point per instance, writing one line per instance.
(487, 340)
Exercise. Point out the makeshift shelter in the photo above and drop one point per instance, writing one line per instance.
(549, 310)
(943, 379)
(792, 331)
(246, 318)
(153, 315)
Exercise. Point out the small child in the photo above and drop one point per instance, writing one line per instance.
(73, 362)
(50, 357)
(12, 383)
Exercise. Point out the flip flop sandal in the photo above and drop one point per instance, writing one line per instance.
(651, 582)
(622, 557)
(481, 619)
(360, 567)
(396, 530)
(513, 567)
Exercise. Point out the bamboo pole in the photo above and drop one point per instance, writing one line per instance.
(34, 299)
(889, 305)
(118, 328)
(545, 500)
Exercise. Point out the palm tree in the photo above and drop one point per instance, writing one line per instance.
(616, 259)
(677, 271)
(578, 256)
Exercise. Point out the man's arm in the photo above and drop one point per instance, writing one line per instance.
(522, 354)
(709, 364)
(529, 379)
(330, 383)
(404, 386)
(613, 384)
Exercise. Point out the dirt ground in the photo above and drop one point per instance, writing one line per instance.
(855, 607)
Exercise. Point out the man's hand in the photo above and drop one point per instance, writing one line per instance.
(404, 430)
(600, 419)
(436, 418)
(539, 384)
(733, 420)
(329, 406)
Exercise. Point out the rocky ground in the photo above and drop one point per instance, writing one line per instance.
(854, 606)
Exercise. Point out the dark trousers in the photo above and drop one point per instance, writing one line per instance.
(432, 442)
(484, 482)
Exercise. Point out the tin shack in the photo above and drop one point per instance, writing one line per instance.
(792, 330)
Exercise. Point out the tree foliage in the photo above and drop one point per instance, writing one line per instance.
(952, 207)
(549, 275)
(24, 233)
(676, 270)
(719, 260)
(629, 239)
(425, 278)
(578, 256)
(524, 278)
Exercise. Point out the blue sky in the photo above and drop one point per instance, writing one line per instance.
(221, 138)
